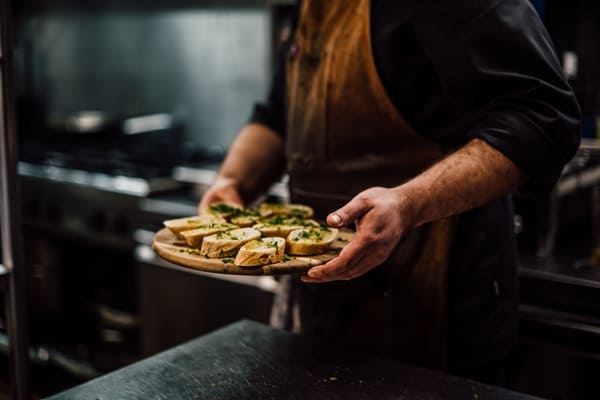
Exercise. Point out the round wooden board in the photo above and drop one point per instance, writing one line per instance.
(175, 250)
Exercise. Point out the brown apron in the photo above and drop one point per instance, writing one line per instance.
(344, 135)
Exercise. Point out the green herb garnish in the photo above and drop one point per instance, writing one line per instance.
(223, 208)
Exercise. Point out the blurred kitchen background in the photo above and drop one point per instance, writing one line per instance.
(126, 108)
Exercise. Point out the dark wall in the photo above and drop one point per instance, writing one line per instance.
(205, 64)
(575, 26)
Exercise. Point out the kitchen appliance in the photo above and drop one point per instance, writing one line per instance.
(122, 105)
(560, 284)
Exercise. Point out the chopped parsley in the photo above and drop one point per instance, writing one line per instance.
(314, 234)
(311, 234)
(275, 220)
(248, 212)
(298, 211)
(195, 252)
(222, 208)
(287, 219)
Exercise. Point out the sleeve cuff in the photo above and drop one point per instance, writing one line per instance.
(263, 115)
(527, 145)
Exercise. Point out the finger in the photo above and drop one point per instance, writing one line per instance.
(359, 268)
(349, 213)
(202, 206)
(233, 197)
(359, 256)
(206, 201)
(350, 256)
(229, 196)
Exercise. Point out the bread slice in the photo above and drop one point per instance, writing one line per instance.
(226, 244)
(261, 251)
(222, 209)
(281, 226)
(310, 241)
(297, 210)
(179, 225)
(246, 218)
(194, 237)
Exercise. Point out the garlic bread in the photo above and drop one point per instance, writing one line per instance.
(194, 237)
(179, 225)
(222, 209)
(226, 244)
(282, 225)
(310, 241)
(261, 251)
(297, 210)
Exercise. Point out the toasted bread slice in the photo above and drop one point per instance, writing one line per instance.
(222, 209)
(246, 218)
(281, 226)
(297, 210)
(310, 241)
(194, 237)
(261, 251)
(225, 244)
(179, 225)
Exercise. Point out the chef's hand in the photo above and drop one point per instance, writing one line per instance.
(381, 218)
(223, 190)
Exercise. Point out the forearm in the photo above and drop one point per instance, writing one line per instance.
(467, 178)
(470, 177)
(254, 160)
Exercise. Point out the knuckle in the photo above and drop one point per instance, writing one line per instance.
(352, 275)
(370, 238)
(363, 198)
(346, 212)
(346, 277)
(345, 268)
(355, 274)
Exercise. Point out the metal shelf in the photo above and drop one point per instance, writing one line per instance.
(4, 273)
(13, 276)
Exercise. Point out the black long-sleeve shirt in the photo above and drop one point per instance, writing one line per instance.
(458, 70)
(464, 69)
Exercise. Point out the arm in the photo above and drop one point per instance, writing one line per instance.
(496, 61)
(498, 65)
(256, 157)
(253, 162)
(473, 175)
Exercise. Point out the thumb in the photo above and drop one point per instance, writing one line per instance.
(349, 213)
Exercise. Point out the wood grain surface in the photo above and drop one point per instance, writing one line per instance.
(175, 250)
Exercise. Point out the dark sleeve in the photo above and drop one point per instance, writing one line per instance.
(271, 112)
(498, 64)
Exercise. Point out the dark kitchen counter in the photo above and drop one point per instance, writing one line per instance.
(566, 280)
(566, 268)
(247, 360)
(571, 258)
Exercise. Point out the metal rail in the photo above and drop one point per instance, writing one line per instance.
(10, 221)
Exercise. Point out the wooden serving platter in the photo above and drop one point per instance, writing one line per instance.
(175, 250)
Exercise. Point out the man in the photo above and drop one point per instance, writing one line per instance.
(412, 121)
